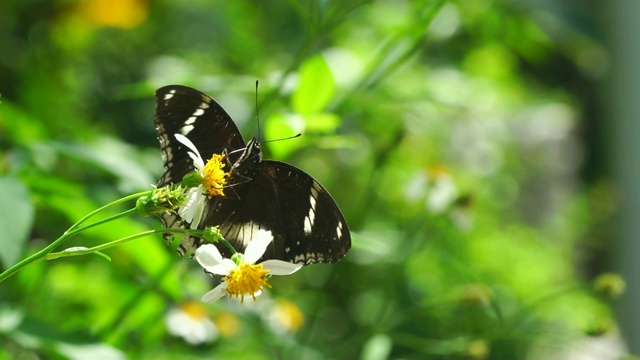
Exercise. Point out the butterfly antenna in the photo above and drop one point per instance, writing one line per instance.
(257, 114)
(287, 138)
(258, 120)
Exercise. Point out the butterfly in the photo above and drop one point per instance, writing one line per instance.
(306, 223)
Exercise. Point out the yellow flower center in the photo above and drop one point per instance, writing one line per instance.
(246, 279)
(194, 310)
(215, 178)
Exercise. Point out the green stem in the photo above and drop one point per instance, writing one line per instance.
(103, 221)
(74, 229)
(228, 244)
(40, 254)
(119, 201)
(113, 243)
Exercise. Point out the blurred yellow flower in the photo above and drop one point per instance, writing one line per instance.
(228, 324)
(473, 295)
(478, 350)
(610, 284)
(286, 316)
(125, 14)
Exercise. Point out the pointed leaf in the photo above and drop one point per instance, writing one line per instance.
(316, 86)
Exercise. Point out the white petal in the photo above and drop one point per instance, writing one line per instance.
(186, 142)
(193, 210)
(201, 331)
(176, 321)
(188, 209)
(279, 267)
(208, 255)
(197, 159)
(257, 246)
(198, 208)
(224, 268)
(211, 260)
(215, 294)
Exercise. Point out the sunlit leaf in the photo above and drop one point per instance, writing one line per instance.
(281, 126)
(316, 86)
(322, 122)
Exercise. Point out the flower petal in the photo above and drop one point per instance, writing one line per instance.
(215, 294)
(260, 239)
(199, 208)
(176, 321)
(197, 161)
(224, 268)
(208, 255)
(211, 260)
(186, 142)
(188, 209)
(279, 267)
(195, 155)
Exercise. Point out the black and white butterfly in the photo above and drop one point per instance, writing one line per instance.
(306, 224)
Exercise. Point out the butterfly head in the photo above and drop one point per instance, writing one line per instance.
(246, 165)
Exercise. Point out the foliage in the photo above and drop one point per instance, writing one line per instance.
(447, 131)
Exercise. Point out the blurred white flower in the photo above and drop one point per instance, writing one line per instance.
(191, 322)
(442, 190)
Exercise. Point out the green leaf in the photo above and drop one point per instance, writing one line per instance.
(316, 86)
(322, 123)
(280, 126)
(16, 217)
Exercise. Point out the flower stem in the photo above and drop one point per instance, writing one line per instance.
(100, 222)
(119, 201)
(228, 244)
(74, 229)
(113, 243)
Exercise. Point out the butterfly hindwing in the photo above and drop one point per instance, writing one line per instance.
(304, 220)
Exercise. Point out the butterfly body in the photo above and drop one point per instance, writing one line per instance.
(306, 223)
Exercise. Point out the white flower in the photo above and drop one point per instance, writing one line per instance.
(192, 210)
(212, 177)
(190, 322)
(442, 193)
(242, 276)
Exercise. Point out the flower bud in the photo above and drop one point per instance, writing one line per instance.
(162, 200)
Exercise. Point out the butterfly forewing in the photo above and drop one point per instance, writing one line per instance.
(186, 111)
(305, 222)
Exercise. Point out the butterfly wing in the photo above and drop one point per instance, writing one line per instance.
(186, 111)
(306, 223)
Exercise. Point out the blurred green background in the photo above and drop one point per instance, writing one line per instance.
(468, 144)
